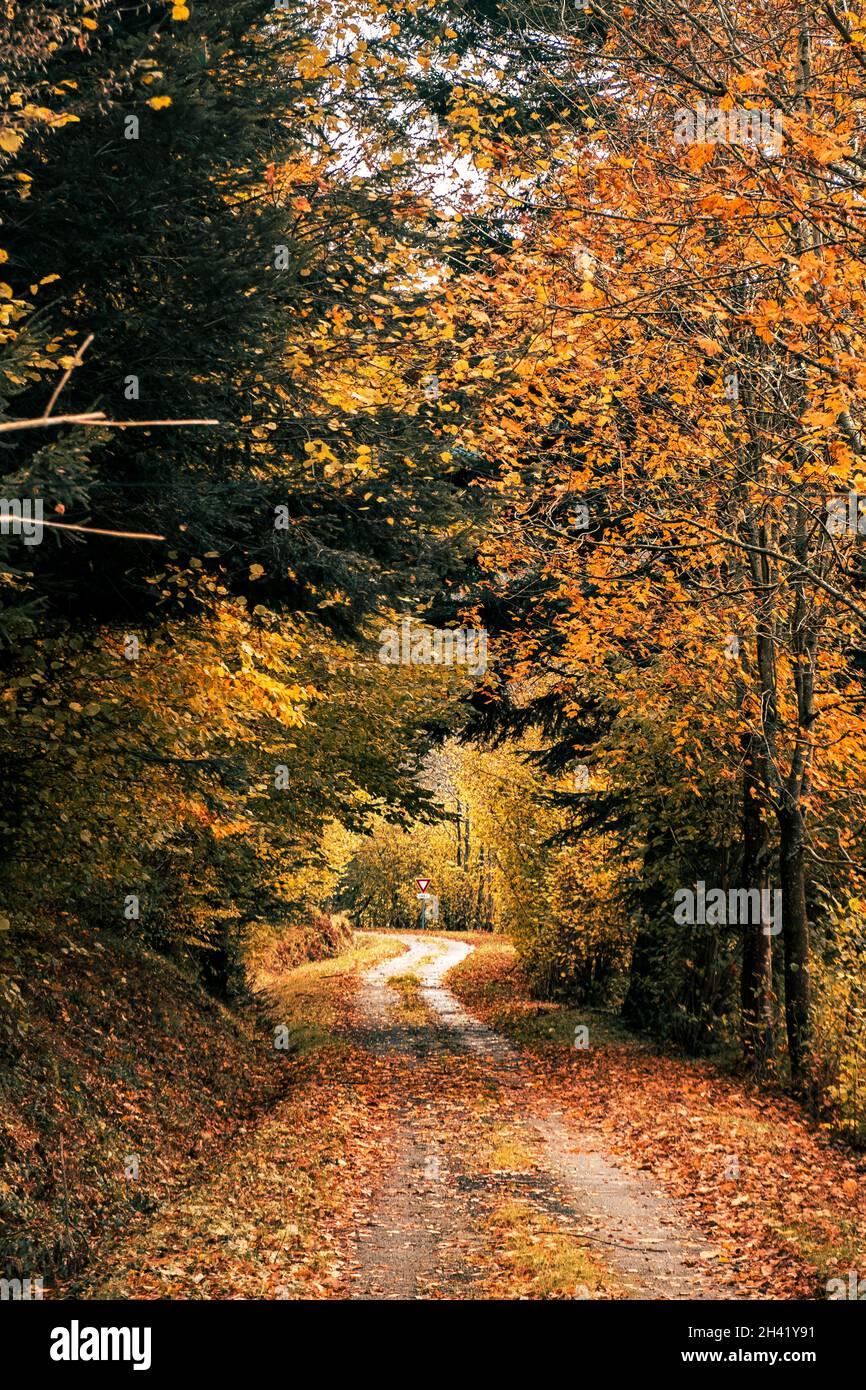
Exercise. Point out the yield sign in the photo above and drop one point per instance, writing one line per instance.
(423, 884)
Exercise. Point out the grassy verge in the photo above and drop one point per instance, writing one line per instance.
(309, 1002)
(492, 985)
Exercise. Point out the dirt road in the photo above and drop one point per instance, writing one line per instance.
(425, 1216)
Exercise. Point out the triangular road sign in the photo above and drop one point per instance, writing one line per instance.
(423, 884)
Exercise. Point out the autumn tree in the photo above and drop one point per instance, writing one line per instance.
(689, 399)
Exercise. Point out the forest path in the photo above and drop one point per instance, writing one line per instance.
(434, 1200)
(413, 1153)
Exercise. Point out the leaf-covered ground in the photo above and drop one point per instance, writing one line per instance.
(783, 1202)
(397, 1166)
(126, 1082)
(291, 1212)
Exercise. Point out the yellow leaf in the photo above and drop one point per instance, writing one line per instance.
(180, 12)
(256, 571)
(159, 102)
(10, 141)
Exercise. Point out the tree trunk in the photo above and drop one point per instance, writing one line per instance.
(756, 979)
(795, 934)
(639, 1006)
